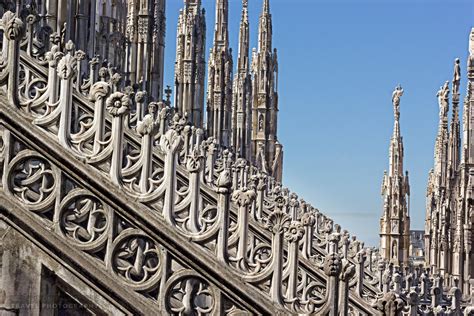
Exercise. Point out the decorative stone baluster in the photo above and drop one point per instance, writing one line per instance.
(360, 258)
(115, 81)
(187, 141)
(103, 74)
(139, 100)
(397, 282)
(235, 176)
(118, 105)
(245, 175)
(211, 159)
(98, 94)
(93, 63)
(199, 133)
(146, 129)
(308, 221)
(261, 188)
(456, 296)
(171, 143)
(345, 243)
(80, 56)
(293, 206)
(13, 31)
(278, 223)
(381, 269)
(31, 19)
(408, 276)
(386, 278)
(243, 198)
(332, 269)
(424, 284)
(162, 116)
(239, 173)
(66, 71)
(194, 167)
(293, 236)
(223, 186)
(413, 300)
(369, 256)
(347, 273)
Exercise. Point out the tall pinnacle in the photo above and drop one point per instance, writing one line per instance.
(221, 32)
(244, 39)
(455, 130)
(265, 29)
(395, 220)
(266, 6)
(396, 146)
(396, 95)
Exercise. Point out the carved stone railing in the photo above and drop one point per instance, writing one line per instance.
(281, 249)
(170, 168)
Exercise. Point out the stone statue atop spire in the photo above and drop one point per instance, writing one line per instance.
(443, 101)
(395, 220)
(396, 95)
(457, 76)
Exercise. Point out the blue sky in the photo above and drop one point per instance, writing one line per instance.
(339, 62)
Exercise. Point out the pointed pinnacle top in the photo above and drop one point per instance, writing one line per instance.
(266, 6)
(245, 4)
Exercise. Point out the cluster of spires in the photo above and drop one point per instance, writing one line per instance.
(241, 108)
(449, 224)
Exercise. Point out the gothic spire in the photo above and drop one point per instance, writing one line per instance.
(266, 6)
(219, 89)
(221, 32)
(396, 147)
(265, 29)
(395, 220)
(441, 147)
(454, 133)
(244, 39)
(190, 62)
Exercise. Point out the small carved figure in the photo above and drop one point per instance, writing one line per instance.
(396, 95)
(443, 97)
(260, 123)
(457, 76)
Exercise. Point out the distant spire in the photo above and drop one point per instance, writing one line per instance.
(244, 39)
(395, 220)
(455, 129)
(266, 6)
(396, 95)
(265, 29)
(221, 32)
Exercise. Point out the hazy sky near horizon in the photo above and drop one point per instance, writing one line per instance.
(339, 62)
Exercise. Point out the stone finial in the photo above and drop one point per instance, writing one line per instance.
(224, 181)
(14, 27)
